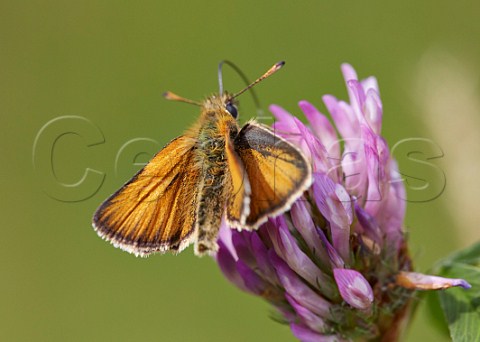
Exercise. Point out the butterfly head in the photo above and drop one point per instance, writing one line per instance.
(225, 104)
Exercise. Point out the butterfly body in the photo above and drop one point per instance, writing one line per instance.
(215, 126)
(216, 170)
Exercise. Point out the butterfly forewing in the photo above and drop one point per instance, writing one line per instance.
(278, 172)
(155, 210)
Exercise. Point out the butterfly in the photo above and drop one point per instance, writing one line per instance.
(215, 170)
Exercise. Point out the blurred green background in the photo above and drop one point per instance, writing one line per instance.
(110, 61)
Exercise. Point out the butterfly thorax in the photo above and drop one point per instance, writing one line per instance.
(215, 125)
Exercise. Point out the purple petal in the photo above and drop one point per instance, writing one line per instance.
(419, 281)
(225, 235)
(373, 111)
(287, 312)
(288, 126)
(335, 259)
(357, 97)
(354, 167)
(283, 117)
(343, 116)
(322, 128)
(370, 83)
(287, 248)
(309, 318)
(316, 153)
(304, 334)
(228, 266)
(300, 291)
(376, 172)
(302, 220)
(341, 240)
(334, 204)
(253, 282)
(392, 213)
(339, 211)
(260, 252)
(354, 288)
(241, 242)
(348, 72)
(353, 161)
(371, 229)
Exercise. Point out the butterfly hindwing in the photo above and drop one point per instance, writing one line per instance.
(156, 210)
(278, 172)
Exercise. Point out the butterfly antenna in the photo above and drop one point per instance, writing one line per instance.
(174, 97)
(242, 76)
(269, 72)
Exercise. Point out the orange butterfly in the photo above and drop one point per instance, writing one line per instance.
(215, 168)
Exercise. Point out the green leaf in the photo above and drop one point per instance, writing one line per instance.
(470, 256)
(461, 307)
(434, 311)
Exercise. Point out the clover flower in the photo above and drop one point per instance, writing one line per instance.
(336, 265)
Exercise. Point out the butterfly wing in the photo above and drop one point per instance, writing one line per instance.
(278, 172)
(156, 210)
(238, 200)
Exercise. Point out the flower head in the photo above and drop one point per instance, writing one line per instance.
(336, 265)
